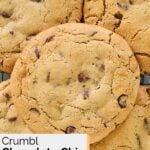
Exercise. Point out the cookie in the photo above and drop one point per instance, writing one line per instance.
(134, 133)
(10, 122)
(73, 75)
(129, 18)
(20, 20)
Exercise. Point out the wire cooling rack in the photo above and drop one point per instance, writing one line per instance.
(145, 79)
(4, 76)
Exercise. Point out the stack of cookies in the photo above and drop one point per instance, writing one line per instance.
(75, 67)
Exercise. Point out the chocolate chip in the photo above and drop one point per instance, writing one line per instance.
(48, 77)
(48, 39)
(11, 32)
(118, 15)
(12, 119)
(7, 96)
(148, 91)
(36, 1)
(105, 125)
(1, 62)
(93, 33)
(68, 81)
(82, 77)
(6, 14)
(30, 36)
(147, 125)
(36, 51)
(130, 2)
(70, 129)
(122, 5)
(122, 101)
(102, 67)
(86, 94)
(35, 111)
(138, 140)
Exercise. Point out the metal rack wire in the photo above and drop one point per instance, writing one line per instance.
(4, 76)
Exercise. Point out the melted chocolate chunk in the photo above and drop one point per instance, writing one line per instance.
(86, 94)
(35, 111)
(1, 62)
(82, 77)
(48, 77)
(38, 1)
(93, 33)
(102, 67)
(11, 32)
(147, 125)
(130, 2)
(122, 6)
(70, 129)
(36, 51)
(7, 96)
(6, 14)
(12, 119)
(30, 36)
(118, 15)
(138, 140)
(48, 39)
(122, 101)
(148, 91)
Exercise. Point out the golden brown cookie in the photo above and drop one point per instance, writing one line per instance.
(10, 122)
(22, 19)
(134, 133)
(129, 18)
(75, 78)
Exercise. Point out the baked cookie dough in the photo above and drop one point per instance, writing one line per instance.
(10, 122)
(22, 19)
(75, 78)
(129, 18)
(134, 133)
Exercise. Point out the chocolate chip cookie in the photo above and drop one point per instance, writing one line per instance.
(20, 20)
(75, 78)
(129, 18)
(10, 122)
(134, 133)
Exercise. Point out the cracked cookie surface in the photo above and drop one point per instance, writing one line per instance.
(20, 20)
(75, 78)
(10, 122)
(134, 133)
(129, 18)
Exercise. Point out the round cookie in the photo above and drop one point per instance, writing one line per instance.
(75, 78)
(134, 133)
(22, 19)
(129, 18)
(10, 122)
